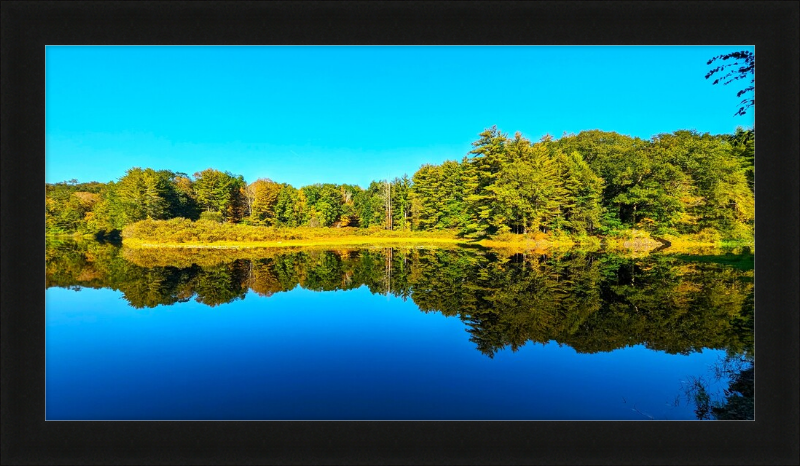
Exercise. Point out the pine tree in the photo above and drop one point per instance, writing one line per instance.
(426, 197)
(220, 192)
(480, 172)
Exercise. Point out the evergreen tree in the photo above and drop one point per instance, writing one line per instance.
(220, 192)
(584, 190)
(480, 172)
(425, 195)
(401, 203)
(743, 148)
(289, 207)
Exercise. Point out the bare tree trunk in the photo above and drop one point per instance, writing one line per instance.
(387, 204)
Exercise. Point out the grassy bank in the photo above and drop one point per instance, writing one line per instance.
(75, 235)
(289, 243)
(186, 234)
(182, 233)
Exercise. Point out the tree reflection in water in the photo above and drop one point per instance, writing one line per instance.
(736, 402)
(589, 301)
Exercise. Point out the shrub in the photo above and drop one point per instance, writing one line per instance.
(181, 230)
(629, 234)
(212, 216)
(510, 237)
(708, 235)
(739, 232)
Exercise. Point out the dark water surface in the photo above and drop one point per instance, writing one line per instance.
(389, 334)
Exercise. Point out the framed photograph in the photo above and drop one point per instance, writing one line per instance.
(348, 245)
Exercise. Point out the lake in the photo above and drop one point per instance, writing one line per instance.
(416, 333)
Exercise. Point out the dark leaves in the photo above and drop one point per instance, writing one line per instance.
(735, 72)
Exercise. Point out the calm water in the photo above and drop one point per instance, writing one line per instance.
(387, 334)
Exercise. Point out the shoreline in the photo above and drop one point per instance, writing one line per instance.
(596, 243)
(309, 242)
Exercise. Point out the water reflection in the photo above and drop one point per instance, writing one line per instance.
(591, 302)
(735, 402)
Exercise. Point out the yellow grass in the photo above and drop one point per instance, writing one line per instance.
(185, 234)
(337, 241)
(513, 243)
(517, 243)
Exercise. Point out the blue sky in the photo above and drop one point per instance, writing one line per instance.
(304, 115)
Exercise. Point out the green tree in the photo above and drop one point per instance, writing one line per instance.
(452, 193)
(324, 204)
(480, 172)
(743, 148)
(710, 183)
(616, 159)
(436, 197)
(350, 211)
(370, 205)
(401, 203)
(527, 192)
(69, 206)
(140, 194)
(583, 190)
(289, 207)
(426, 202)
(220, 192)
(185, 202)
(261, 198)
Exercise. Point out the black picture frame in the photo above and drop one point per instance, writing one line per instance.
(770, 26)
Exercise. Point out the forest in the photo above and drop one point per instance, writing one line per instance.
(593, 183)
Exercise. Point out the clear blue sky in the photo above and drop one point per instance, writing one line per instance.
(306, 115)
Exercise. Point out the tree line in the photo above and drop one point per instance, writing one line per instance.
(589, 183)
